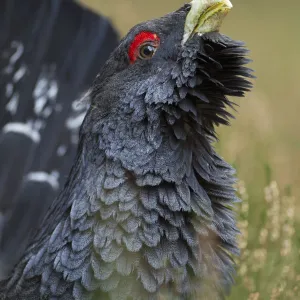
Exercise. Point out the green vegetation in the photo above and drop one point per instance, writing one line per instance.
(268, 264)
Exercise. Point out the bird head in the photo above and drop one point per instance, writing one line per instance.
(169, 79)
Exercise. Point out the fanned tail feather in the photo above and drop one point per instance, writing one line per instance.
(50, 52)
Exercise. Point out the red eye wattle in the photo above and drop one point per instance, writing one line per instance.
(143, 46)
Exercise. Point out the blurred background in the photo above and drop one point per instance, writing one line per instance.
(263, 142)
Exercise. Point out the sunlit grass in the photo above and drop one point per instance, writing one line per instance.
(267, 267)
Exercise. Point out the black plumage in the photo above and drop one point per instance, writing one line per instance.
(50, 51)
(146, 211)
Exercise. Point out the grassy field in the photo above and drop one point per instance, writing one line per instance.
(263, 143)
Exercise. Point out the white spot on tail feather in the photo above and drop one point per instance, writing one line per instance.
(13, 103)
(19, 51)
(23, 128)
(45, 93)
(9, 90)
(47, 112)
(75, 122)
(79, 109)
(51, 179)
(53, 90)
(61, 150)
(19, 74)
(40, 88)
(39, 104)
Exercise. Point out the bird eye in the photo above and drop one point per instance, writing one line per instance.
(147, 50)
(143, 46)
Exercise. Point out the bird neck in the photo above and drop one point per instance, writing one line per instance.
(114, 229)
(147, 225)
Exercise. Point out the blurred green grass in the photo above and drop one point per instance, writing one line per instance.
(263, 142)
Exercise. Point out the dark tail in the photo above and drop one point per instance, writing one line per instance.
(50, 52)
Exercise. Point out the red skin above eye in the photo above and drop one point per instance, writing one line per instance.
(141, 38)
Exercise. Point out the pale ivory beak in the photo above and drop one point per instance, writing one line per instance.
(205, 16)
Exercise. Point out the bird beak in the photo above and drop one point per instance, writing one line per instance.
(205, 16)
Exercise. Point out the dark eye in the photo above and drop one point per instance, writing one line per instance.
(147, 50)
